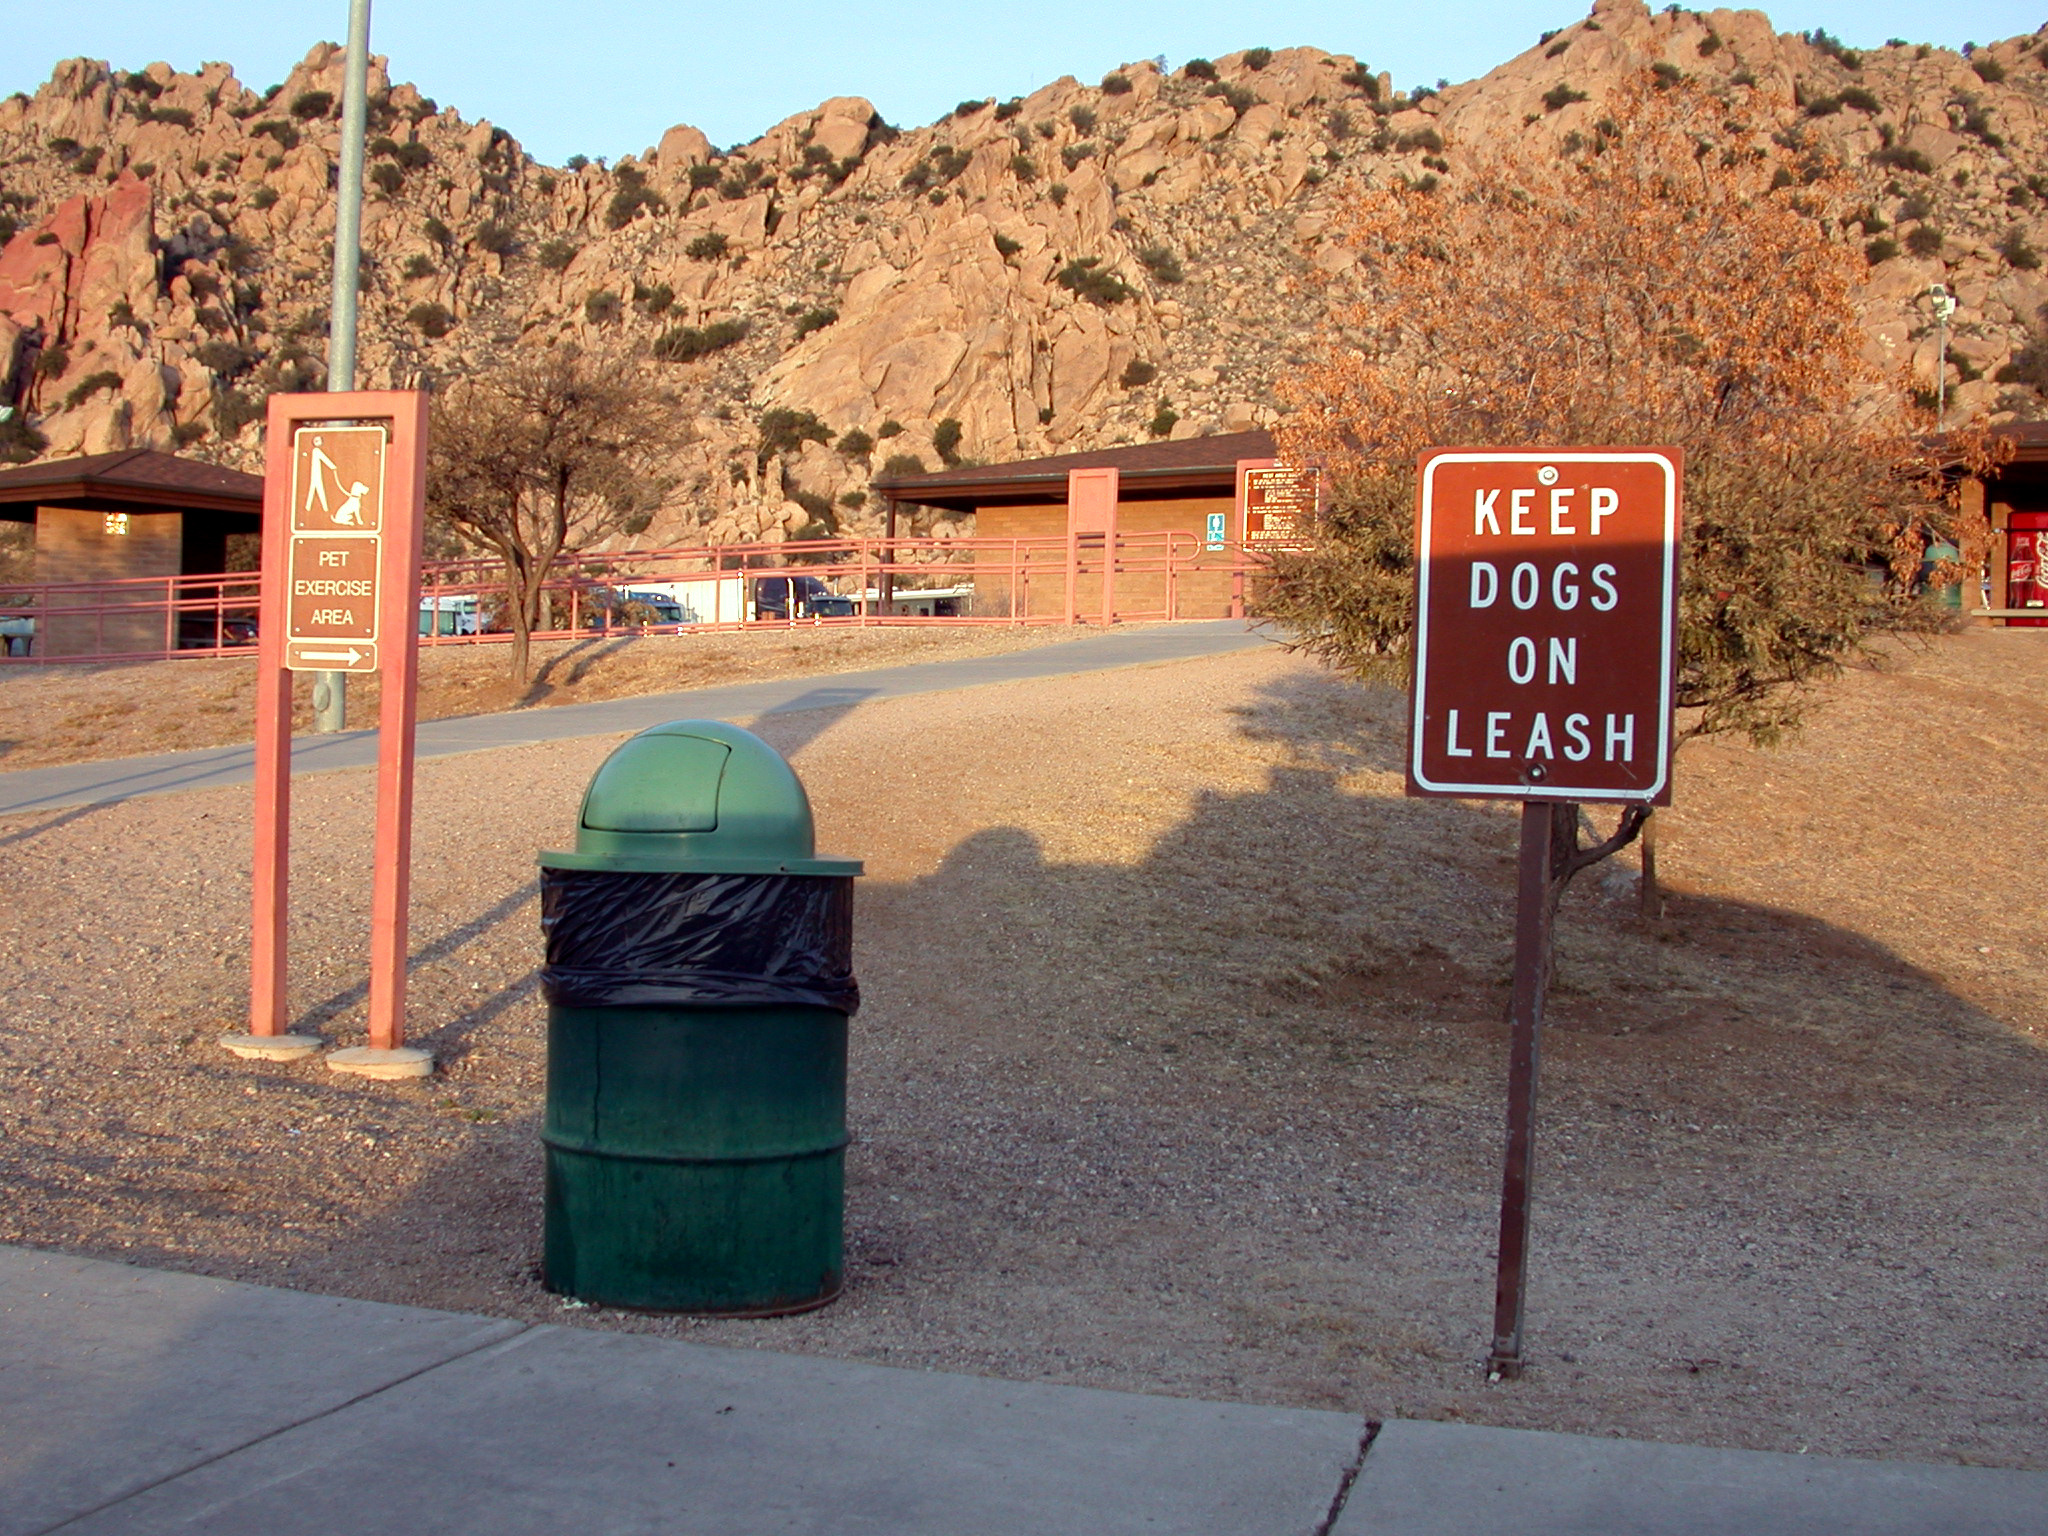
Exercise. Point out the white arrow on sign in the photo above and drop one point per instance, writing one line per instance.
(351, 655)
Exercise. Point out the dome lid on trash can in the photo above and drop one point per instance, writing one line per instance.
(697, 796)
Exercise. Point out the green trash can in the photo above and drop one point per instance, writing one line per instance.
(699, 981)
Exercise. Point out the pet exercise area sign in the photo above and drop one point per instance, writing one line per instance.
(337, 548)
(1546, 624)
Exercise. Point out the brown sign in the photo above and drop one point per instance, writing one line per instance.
(1276, 504)
(1546, 623)
(336, 558)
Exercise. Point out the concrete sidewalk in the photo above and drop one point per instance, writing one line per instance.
(139, 1401)
(127, 778)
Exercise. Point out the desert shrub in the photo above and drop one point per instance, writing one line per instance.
(1083, 118)
(707, 247)
(88, 160)
(1137, 374)
(555, 255)
(412, 155)
(1362, 80)
(890, 428)
(856, 444)
(494, 237)
(1666, 74)
(1863, 101)
(1710, 44)
(308, 105)
(785, 431)
(2017, 252)
(1116, 83)
(702, 176)
(177, 117)
(1236, 97)
(853, 501)
(1199, 69)
(2029, 365)
(1162, 264)
(1988, 69)
(1900, 158)
(186, 433)
(1925, 240)
(20, 443)
(1420, 138)
(1023, 167)
(1058, 193)
(1823, 42)
(1073, 154)
(1916, 205)
(900, 464)
(1880, 249)
(141, 84)
(1009, 109)
(948, 162)
(1164, 419)
(263, 197)
(1257, 58)
(969, 108)
(653, 301)
(419, 264)
(602, 307)
(1005, 246)
(224, 357)
(576, 163)
(814, 320)
(386, 178)
(286, 136)
(946, 439)
(432, 321)
(1087, 278)
(686, 343)
(632, 195)
(1560, 96)
(53, 360)
(91, 385)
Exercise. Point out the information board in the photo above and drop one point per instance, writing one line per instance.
(336, 559)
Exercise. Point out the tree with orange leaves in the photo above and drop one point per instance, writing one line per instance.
(1678, 278)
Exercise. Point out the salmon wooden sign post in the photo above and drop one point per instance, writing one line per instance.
(344, 494)
(1546, 644)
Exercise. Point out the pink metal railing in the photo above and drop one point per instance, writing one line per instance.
(865, 582)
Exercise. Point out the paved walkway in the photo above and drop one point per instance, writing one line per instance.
(127, 778)
(136, 1402)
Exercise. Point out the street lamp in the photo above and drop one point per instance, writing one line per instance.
(1944, 305)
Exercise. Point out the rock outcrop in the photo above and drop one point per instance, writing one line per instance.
(1086, 265)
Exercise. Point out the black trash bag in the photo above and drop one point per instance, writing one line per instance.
(639, 940)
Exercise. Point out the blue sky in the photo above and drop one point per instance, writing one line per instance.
(606, 79)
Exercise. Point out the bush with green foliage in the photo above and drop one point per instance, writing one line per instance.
(386, 178)
(853, 501)
(856, 444)
(1882, 249)
(2018, 254)
(1361, 79)
(702, 176)
(1083, 118)
(498, 239)
(1087, 278)
(1898, 157)
(1023, 167)
(969, 108)
(786, 431)
(20, 443)
(631, 196)
(1824, 42)
(946, 439)
(284, 133)
(1925, 240)
(177, 117)
(1072, 155)
(814, 320)
(555, 255)
(1420, 138)
(602, 307)
(418, 265)
(1009, 109)
(1257, 58)
(709, 246)
(1005, 246)
(53, 360)
(1862, 101)
(91, 385)
(890, 428)
(263, 197)
(432, 321)
(1988, 69)
(1161, 263)
(1560, 96)
(2029, 365)
(1116, 83)
(1137, 374)
(223, 357)
(1199, 69)
(1058, 193)
(308, 105)
(686, 343)
(897, 465)
(1164, 419)
(653, 302)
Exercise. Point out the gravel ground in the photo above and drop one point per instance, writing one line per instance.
(1181, 1067)
(82, 712)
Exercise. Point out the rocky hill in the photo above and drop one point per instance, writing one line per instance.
(1083, 266)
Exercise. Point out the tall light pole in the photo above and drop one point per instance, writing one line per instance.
(1944, 305)
(330, 689)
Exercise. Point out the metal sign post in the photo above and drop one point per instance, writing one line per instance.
(1546, 642)
(344, 496)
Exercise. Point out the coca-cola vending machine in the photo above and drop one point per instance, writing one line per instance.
(2026, 582)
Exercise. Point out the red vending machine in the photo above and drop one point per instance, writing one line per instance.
(2026, 583)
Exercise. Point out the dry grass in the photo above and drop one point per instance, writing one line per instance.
(1182, 1057)
(80, 712)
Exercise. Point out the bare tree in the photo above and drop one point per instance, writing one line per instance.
(546, 456)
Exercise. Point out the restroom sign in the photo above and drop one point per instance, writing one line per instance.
(1546, 623)
(335, 563)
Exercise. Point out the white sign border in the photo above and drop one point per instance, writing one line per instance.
(374, 537)
(1668, 641)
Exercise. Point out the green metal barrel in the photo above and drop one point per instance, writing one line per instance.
(696, 1157)
(695, 1130)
